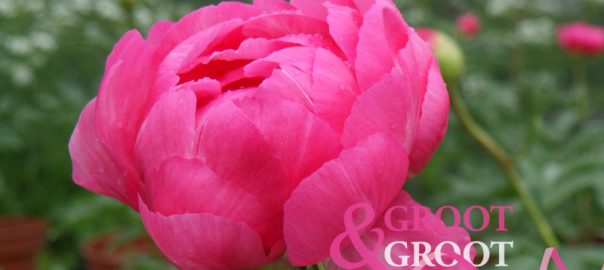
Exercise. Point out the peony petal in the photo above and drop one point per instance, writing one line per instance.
(273, 5)
(373, 171)
(168, 130)
(158, 32)
(311, 8)
(313, 77)
(344, 23)
(334, 89)
(93, 165)
(432, 125)
(204, 18)
(205, 241)
(299, 140)
(382, 34)
(236, 150)
(182, 186)
(394, 103)
(432, 230)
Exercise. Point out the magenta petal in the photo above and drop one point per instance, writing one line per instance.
(203, 18)
(433, 122)
(373, 171)
(394, 103)
(334, 89)
(432, 231)
(205, 241)
(311, 8)
(273, 5)
(158, 32)
(344, 23)
(123, 100)
(382, 34)
(182, 186)
(93, 166)
(297, 138)
(236, 150)
(168, 130)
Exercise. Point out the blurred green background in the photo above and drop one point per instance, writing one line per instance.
(519, 86)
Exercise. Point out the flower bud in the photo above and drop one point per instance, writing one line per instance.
(449, 54)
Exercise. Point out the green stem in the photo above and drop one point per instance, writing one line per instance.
(580, 78)
(506, 164)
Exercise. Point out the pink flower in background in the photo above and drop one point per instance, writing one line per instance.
(581, 38)
(468, 24)
(243, 129)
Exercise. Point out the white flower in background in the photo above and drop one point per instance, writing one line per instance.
(548, 6)
(109, 9)
(22, 74)
(33, 6)
(143, 17)
(61, 15)
(43, 40)
(18, 46)
(7, 8)
(537, 31)
(499, 7)
(81, 5)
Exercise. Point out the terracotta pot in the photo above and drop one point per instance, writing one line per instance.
(20, 241)
(100, 254)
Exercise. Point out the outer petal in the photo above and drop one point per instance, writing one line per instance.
(122, 102)
(205, 241)
(344, 23)
(374, 171)
(432, 230)
(93, 165)
(168, 130)
(394, 103)
(382, 34)
(188, 186)
(433, 122)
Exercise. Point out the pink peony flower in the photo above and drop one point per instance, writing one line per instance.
(581, 38)
(245, 128)
(468, 24)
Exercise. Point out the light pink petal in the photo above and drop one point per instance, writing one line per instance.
(206, 241)
(168, 130)
(394, 103)
(373, 171)
(232, 147)
(344, 23)
(432, 124)
(182, 186)
(382, 34)
(93, 166)
(298, 139)
(431, 230)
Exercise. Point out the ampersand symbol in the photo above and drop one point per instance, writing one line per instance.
(352, 232)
